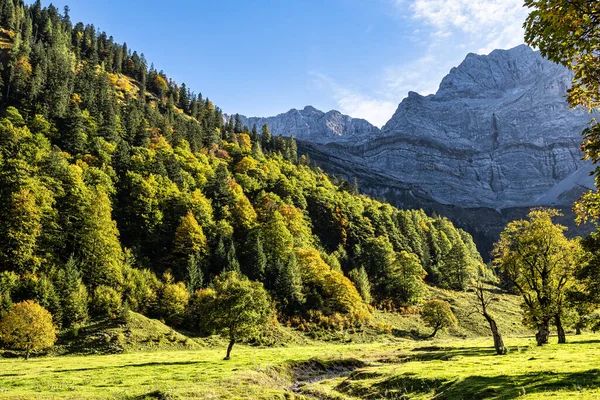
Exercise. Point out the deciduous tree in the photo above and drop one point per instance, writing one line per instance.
(28, 327)
(540, 261)
(236, 307)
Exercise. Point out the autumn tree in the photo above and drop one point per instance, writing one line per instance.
(236, 307)
(540, 262)
(568, 33)
(190, 247)
(438, 315)
(28, 327)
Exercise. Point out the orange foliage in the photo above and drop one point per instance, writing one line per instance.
(342, 305)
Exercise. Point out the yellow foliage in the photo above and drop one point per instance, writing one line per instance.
(340, 297)
(245, 142)
(246, 165)
(24, 66)
(28, 327)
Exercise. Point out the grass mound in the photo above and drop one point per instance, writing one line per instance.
(133, 333)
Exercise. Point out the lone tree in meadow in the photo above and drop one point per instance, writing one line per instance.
(438, 315)
(483, 299)
(236, 307)
(28, 327)
(540, 261)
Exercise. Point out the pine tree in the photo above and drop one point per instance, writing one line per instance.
(232, 263)
(257, 260)
(360, 279)
(195, 277)
(219, 258)
(288, 283)
(73, 136)
(238, 126)
(266, 138)
(72, 293)
(292, 149)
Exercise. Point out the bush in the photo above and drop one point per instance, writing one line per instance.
(140, 289)
(437, 314)
(106, 302)
(174, 300)
(28, 327)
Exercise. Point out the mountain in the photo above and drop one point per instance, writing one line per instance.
(496, 139)
(498, 133)
(317, 126)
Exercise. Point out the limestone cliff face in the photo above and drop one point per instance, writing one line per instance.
(316, 126)
(498, 133)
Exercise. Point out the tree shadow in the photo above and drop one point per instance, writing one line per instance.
(148, 364)
(412, 334)
(513, 386)
(472, 387)
(395, 387)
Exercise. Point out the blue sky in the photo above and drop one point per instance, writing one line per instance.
(263, 57)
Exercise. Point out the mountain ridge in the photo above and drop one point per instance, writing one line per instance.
(315, 125)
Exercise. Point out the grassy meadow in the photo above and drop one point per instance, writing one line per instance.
(443, 369)
(141, 358)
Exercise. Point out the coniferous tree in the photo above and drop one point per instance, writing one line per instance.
(266, 138)
(232, 263)
(195, 276)
(238, 126)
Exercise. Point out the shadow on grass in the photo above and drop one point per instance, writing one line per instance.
(513, 386)
(396, 387)
(431, 353)
(148, 364)
(154, 395)
(473, 387)
(315, 369)
(412, 334)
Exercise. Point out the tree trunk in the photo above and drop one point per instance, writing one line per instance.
(578, 330)
(434, 332)
(231, 343)
(543, 333)
(498, 342)
(562, 338)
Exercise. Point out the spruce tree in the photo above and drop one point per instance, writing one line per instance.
(238, 126)
(232, 263)
(266, 138)
(288, 283)
(195, 277)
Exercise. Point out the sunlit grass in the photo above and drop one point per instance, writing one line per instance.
(452, 369)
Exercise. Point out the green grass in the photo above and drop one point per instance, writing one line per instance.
(443, 368)
(377, 361)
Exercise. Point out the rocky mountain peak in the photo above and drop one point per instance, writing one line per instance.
(317, 126)
(490, 76)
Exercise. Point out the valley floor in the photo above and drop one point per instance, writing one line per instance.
(442, 369)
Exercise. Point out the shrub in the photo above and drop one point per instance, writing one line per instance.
(106, 302)
(28, 327)
(437, 314)
(174, 300)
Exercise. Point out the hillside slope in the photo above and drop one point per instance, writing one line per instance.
(121, 188)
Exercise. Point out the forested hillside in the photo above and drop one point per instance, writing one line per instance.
(122, 189)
